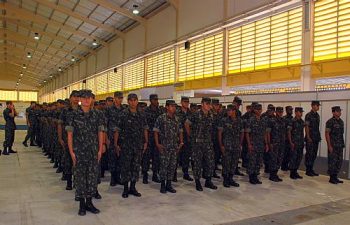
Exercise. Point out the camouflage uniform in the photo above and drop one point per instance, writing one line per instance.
(85, 128)
(245, 118)
(10, 127)
(312, 120)
(286, 158)
(231, 139)
(169, 129)
(335, 127)
(31, 128)
(185, 154)
(130, 127)
(277, 129)
(202, 145)
(297, 133)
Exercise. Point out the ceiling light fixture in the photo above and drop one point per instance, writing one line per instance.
(44, 81)
(59, 69)
(29, 55)
(94, 43)
(73, 59)
(36, 36)
(21, 74)
(24, 66)
(50, 76)
(135, 9)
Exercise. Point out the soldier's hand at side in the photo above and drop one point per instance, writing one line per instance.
(267, 147)
(250, 148)
(99, 156)
(145, 145)
(330, 148)
(292, 146)
(117, 150)
(160, 148)
(222, 148)
(62, 143)
(74, 159)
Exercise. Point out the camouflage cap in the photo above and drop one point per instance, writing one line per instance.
(170, 102)
(215, 101)
(118, 94)
(85, 93)
(74, 93)
(206, 100)
(336, 109)
(132, 95)
(109, 99)
(153, 97)
(279, 109)
(299, 109)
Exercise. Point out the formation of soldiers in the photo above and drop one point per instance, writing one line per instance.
(84, 138)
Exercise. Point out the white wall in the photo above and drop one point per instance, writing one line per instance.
(135, 42)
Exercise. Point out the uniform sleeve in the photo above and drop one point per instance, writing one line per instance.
(157, 124)
(328, 126)
(190, 119)
(101, 122)
(145, 125)
(221, 124)
(241, 124)
(70, 119)
(269, 123)
(248, 127)
(307, 119)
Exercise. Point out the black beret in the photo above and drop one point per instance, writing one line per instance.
(206, 99)
(153, 97)
(315, 103)
(118, 94)
(299, 109)
(336, 109)
(170, 102)
(132, 95)
(215, 101)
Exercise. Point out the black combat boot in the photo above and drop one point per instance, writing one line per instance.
(97, 195)
(297, 175)
(198, 185)
(293, 175)
(64, 177)
(55, 165)
(155, 178)
(126, 190)
(82, 207)
(169, 187)
(117, 178)
(251, 179)
(5, 152)
(175, 177)
(113, 182)
(232, 182)
(338, 180)
(278, 178)
(11, 151)
(238, 173)
(145, 178)
(309, 172)
(133, 190)
(25, 144)
(69, 183)
(314, 173)
(162, 187)
(90, 207)
(59, 169)
(333, 179)
(209, 184)
(273, 176)
(257, 181)
(186, 175)
(226, 183)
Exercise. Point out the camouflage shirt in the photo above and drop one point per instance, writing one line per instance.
(312, 119)
(182, 115)
(335, 127)
(257, 129)
(231, 131)
(278, 130)
(169, 129)
(297, 131)
(64, 117)
(201, 126)
(112, 116)
(10, 121)
(152, 115)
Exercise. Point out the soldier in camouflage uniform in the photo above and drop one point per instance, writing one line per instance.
(199, 128)
(112, 115)
(10, 126)
(296, 141)
(152, 112)
(230, 137)
(288, 118)
(185, 154)
(237, 102)
(217, 118)
(245, 118)
(268, 116)
(58, 148)
(277, 132)
(132, 132)
(312, 137)
(64, 117)
(256, 135)
(30, 117)
(85, 142)
(168, 136)
(336, 144)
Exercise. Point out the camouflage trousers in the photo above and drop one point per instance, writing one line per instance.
(113, 159)
(296, 156)
(230, 160)
(276, 155)
(85, 177)
(244, 154)
(30, 134)
(151, 154)
(168, 161)
(286, 156)
(203, 159)
(335, 160)
(184, 157)
(59, 153)
(9, 136)
(130, 157)
(68, 164)
(255, 158)
(311, 153)
(217, 151)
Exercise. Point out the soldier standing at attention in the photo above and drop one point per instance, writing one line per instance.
(268, 116)
(277, 131)
(152, 112)
(168, 136)
(30, 117)
(296, 141)
(230, 137)
(246, 116)
(185, 154)
(335, 143)
(199, 128)
(216, 108)
(112, 115)
(85, 142)
(256, 136)
(10, 127)
(288, 118)
(237, 101)
(312, 137)
(132, 130)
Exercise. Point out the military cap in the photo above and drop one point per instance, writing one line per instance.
(142, 104)
(74, 93)
(206, 99)
(153, 97)
(215, 101)
(231, 107)
(193, 105)
(258, 106)
(254, 103)
(237, 100)
(85, 93)
(109, 99)
(170, 102)
(270, 107)
(60, 101)
(299, 109)
(279, 109)
(185, 98)
(289, 107)
(315, 103)
(336, 109)
(118, 94)
(132, 95)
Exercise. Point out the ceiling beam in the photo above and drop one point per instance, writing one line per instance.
(20, 68)
(82, 18)
(19, 60)
(174, 3)
(122, 11)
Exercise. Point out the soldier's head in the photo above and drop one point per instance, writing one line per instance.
(298, 111)
(279, 111)
(257, 109)
(237, 101)
(133, 100)
(60, 103)
(109, 101)
(193, 107)
(141, 106)
(315, 106)
(118, 98)
(74, 97)
(32, 104)
(86, 98)
(185, 102)
(206, 104)
(9, 104)
(271, 109)
(170, 106)
(153, 98)
(336, 111)
(289, 110)
(248, 108)
(215, 104)
(232, 110)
